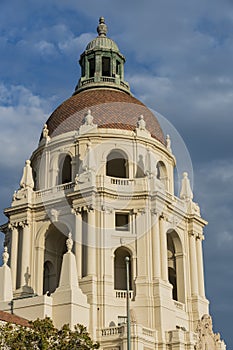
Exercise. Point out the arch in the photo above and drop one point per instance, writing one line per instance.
(49, 277)
(117, 164)
(175, 258)
(120, 282)
(106, 66)
(65, 169)
(162, 172)
(54, 248)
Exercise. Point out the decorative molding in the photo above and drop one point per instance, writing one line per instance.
(207, 339)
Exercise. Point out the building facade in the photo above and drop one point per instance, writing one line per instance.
(100, 188)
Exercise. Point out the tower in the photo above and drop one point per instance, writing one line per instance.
(100, 188)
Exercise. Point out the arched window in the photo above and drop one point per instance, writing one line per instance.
(65, 174)
(175, 266)
(49, 284)
(55, 247)
(120, 281)
(117, 164)
(106, 67)
(91, 62)
(162, 172)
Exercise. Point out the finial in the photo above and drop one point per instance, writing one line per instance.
(5, 256)
(69, 242)
(186, 191)
(168, 143)
(27, 178)
(45, 131)
(102, 28)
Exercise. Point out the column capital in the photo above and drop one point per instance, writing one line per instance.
(192, 233)
(107, 210)
(23, 223)
(154, 212)
(13, 225)
(76, 210)
(163, 216)
(200, 237)
(90, 207)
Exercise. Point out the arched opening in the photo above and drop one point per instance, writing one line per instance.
(106, 67)
(117, 164)
(49, 282)
(91, 62)
(176, 266)
(120, 276)
(162, 172)
(54, 248)
(65, 174)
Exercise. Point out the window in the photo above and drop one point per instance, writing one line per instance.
(106, 67)
(118, 68)
(65, 170)
(91, 67)
(162, 172)
(120, 282)
(117, 165)
(49, 278)
(122, 222)
(175, 266)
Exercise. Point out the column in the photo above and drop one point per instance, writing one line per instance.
(193, 263)
(25, 254)
(14, 253)
(163, 247)
(91, 243)
(78, 242)
(201, 284)
(155, 246)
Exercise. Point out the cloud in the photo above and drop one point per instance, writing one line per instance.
(20, 111)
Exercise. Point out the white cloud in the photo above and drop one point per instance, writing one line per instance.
(22, 115)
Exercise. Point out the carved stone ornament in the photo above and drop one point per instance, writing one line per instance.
(45, 131)
(69, 242)
(89, 118)
(141, 124)
(168, 143)
(5, 256)
(207, 339)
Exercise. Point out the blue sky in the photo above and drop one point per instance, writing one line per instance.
(179, 62)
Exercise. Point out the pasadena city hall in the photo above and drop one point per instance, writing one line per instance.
(95, 225)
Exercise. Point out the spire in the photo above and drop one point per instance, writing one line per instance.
(27, 178)
(102, 28)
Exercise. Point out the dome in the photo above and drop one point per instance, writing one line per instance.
(102, 43)
(110, 109)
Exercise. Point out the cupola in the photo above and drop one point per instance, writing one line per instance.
(102, 64)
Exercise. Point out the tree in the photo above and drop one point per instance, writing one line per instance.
(42, 335)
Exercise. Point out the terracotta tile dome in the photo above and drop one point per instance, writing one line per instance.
(110, 109)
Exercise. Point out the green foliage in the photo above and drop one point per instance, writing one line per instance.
(42, 335)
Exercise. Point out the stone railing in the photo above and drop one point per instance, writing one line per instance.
(147, 331)
(120, 182)
(112, 331)
(122, 294)
(55, 189)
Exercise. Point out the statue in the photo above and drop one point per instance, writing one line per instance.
(141, 124)
(89, 118)
(69, 242)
